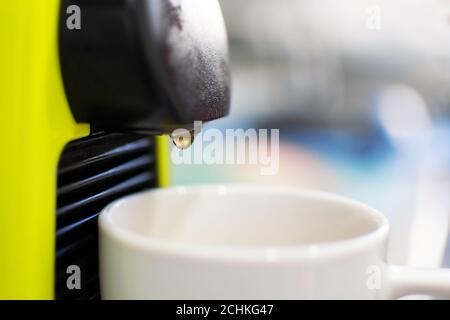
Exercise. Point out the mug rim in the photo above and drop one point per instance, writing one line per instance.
(320, 250)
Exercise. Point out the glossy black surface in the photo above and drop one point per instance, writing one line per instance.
(92, 172)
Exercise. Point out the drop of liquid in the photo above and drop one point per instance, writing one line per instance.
(184, 140)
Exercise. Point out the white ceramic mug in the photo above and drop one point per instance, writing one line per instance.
(251, 242)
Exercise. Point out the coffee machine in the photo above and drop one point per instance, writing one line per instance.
(88, 90)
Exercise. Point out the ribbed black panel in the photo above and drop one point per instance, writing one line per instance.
(92, 172)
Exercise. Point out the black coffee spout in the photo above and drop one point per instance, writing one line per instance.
(144, 65)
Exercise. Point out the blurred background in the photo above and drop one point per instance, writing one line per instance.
(360, 91)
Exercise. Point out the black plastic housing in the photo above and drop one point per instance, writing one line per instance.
(92, 172)
(149, 65)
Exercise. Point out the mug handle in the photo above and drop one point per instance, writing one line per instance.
(402, 281)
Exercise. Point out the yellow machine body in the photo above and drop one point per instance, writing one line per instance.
(35, 125)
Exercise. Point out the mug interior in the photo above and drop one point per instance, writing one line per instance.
(242, 216)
